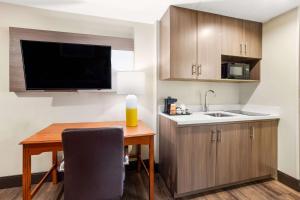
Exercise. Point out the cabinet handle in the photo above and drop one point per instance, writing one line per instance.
(252, 133)
(219, 136)
(241, 49)
(245, 49)
(213, 136)
(199, 71)
(193, 69)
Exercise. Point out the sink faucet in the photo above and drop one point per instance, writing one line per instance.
(205, 101)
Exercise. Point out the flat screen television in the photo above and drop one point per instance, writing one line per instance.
(64, 66)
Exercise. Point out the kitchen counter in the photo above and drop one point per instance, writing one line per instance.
(202, 118)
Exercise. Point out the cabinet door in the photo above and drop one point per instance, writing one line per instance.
(209, 46)
(233, 147)
(252, 39)
(196, 158)
(263, 160)
(232, 36)
(183, 43)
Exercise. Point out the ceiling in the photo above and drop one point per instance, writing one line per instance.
(148, 11)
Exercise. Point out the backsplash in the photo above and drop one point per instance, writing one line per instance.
(192, 93)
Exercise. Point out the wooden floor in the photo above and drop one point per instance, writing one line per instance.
(136, 187)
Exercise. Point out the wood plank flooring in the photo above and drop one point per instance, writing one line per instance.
(136, 188)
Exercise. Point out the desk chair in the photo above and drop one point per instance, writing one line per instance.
(93, 163)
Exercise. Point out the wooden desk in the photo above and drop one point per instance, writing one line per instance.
(49, 140)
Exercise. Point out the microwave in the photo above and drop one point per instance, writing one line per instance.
(235, 71)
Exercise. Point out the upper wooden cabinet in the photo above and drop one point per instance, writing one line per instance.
(192, 44)
(209, 46)
(241, 38)
(252, 39)
(183, 48)
(232, 36)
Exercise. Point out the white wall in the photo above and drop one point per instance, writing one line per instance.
(279, 85)
(23, 114)
(192, 92)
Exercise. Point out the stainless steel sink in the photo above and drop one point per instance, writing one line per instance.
(218, 114)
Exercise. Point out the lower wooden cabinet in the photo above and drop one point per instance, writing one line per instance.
(263, 148)
(232, 153)
(196, 158)
(199, 157)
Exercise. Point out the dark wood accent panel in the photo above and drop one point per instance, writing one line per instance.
(232, 153)
(196, 158)
(16, 72)
(167, 152)
(16, 180)
(165, 51)
(289, 181)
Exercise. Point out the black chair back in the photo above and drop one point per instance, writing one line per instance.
(93, 168)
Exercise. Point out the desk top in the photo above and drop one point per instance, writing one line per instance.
(52, 133)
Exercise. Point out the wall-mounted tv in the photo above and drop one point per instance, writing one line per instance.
(64, 66)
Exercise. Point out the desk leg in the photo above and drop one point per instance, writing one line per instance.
(139, 158)
(151, 168)
(54, 162)
(26, 174)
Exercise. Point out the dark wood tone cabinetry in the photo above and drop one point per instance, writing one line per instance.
(209, 46)
(232, 36)
(190, 46)
(183, 43)
(241, 38)
(252, 39)
(262, 140)
(232, 153)
(195, 158)
(193, 45)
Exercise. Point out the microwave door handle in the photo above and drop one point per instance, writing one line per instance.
(228, 71)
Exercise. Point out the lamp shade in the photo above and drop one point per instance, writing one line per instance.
(130, 82)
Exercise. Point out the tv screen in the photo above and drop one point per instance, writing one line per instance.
(63, 66)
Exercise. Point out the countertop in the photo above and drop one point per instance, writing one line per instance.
(201, 118)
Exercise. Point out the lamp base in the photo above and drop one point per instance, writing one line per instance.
(131, 117)
(131, 111)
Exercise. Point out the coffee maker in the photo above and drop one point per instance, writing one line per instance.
(168, 102)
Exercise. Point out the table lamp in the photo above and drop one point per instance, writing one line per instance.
(131, 83)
